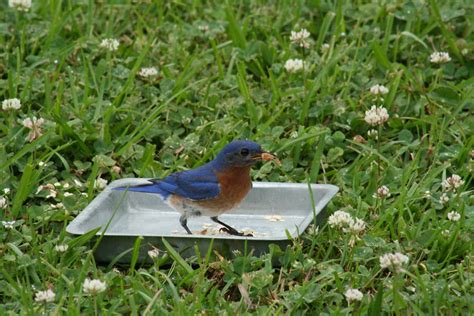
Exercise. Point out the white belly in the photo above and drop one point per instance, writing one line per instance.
(191, 208)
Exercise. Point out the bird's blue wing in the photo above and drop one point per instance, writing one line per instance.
(196, 184)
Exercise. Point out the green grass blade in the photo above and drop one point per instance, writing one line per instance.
(176, 257)
(323, 30)
(26, 186)
(317, 158)
(380, 56)
(135, 252)
(233, 29)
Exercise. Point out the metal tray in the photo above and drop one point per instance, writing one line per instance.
(270, 211)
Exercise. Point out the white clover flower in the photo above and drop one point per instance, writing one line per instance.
(116, 169)
(236, 252)
(20, 5)
(34, 124)
(57, 206)
(300, 38)
(66, 194)
(427, 194)
(339, 219)
(313, 229)
(353, 295)
(93, 286)
(100, 184)
(153, 253)
(203, 28)
(78, 183)
(393, 260)
(8, 104)
(355, 226)
(378, 90)
(310, 262)
(47, 296)
(110, 44)
(61, 247)
(297, 265)
(373, 133)
(6, 190)
(8, 224)
(376, 116)
(382, 192)
(52, 190)
(148, 72)
(52, 194)
(440, 57)
(325, 48)
(293, 65)
(40, 188)
(444, 198)
(454, 216)
(3, 202)
(452, 183)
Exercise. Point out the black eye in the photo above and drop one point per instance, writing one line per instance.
(244, 152)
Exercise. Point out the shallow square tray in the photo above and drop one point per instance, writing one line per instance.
(269, 210)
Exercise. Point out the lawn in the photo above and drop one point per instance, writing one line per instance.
(375, 97)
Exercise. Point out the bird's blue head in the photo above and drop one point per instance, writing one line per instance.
(241, 153)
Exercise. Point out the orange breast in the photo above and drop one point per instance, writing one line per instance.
(234, 183)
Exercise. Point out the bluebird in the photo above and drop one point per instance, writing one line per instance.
(212, 189)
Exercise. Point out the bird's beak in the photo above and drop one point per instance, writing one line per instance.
(266, 156)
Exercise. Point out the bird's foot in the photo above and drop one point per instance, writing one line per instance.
(234, 232)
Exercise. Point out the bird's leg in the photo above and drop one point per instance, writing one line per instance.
(184, 222)
(229, 229)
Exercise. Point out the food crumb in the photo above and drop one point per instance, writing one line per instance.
(274, 218)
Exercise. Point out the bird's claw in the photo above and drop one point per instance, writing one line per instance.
(228, 231)
(233, 232)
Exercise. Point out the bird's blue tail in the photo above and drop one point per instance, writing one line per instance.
(146, 188)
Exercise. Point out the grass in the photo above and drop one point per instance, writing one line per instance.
(222, 77)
